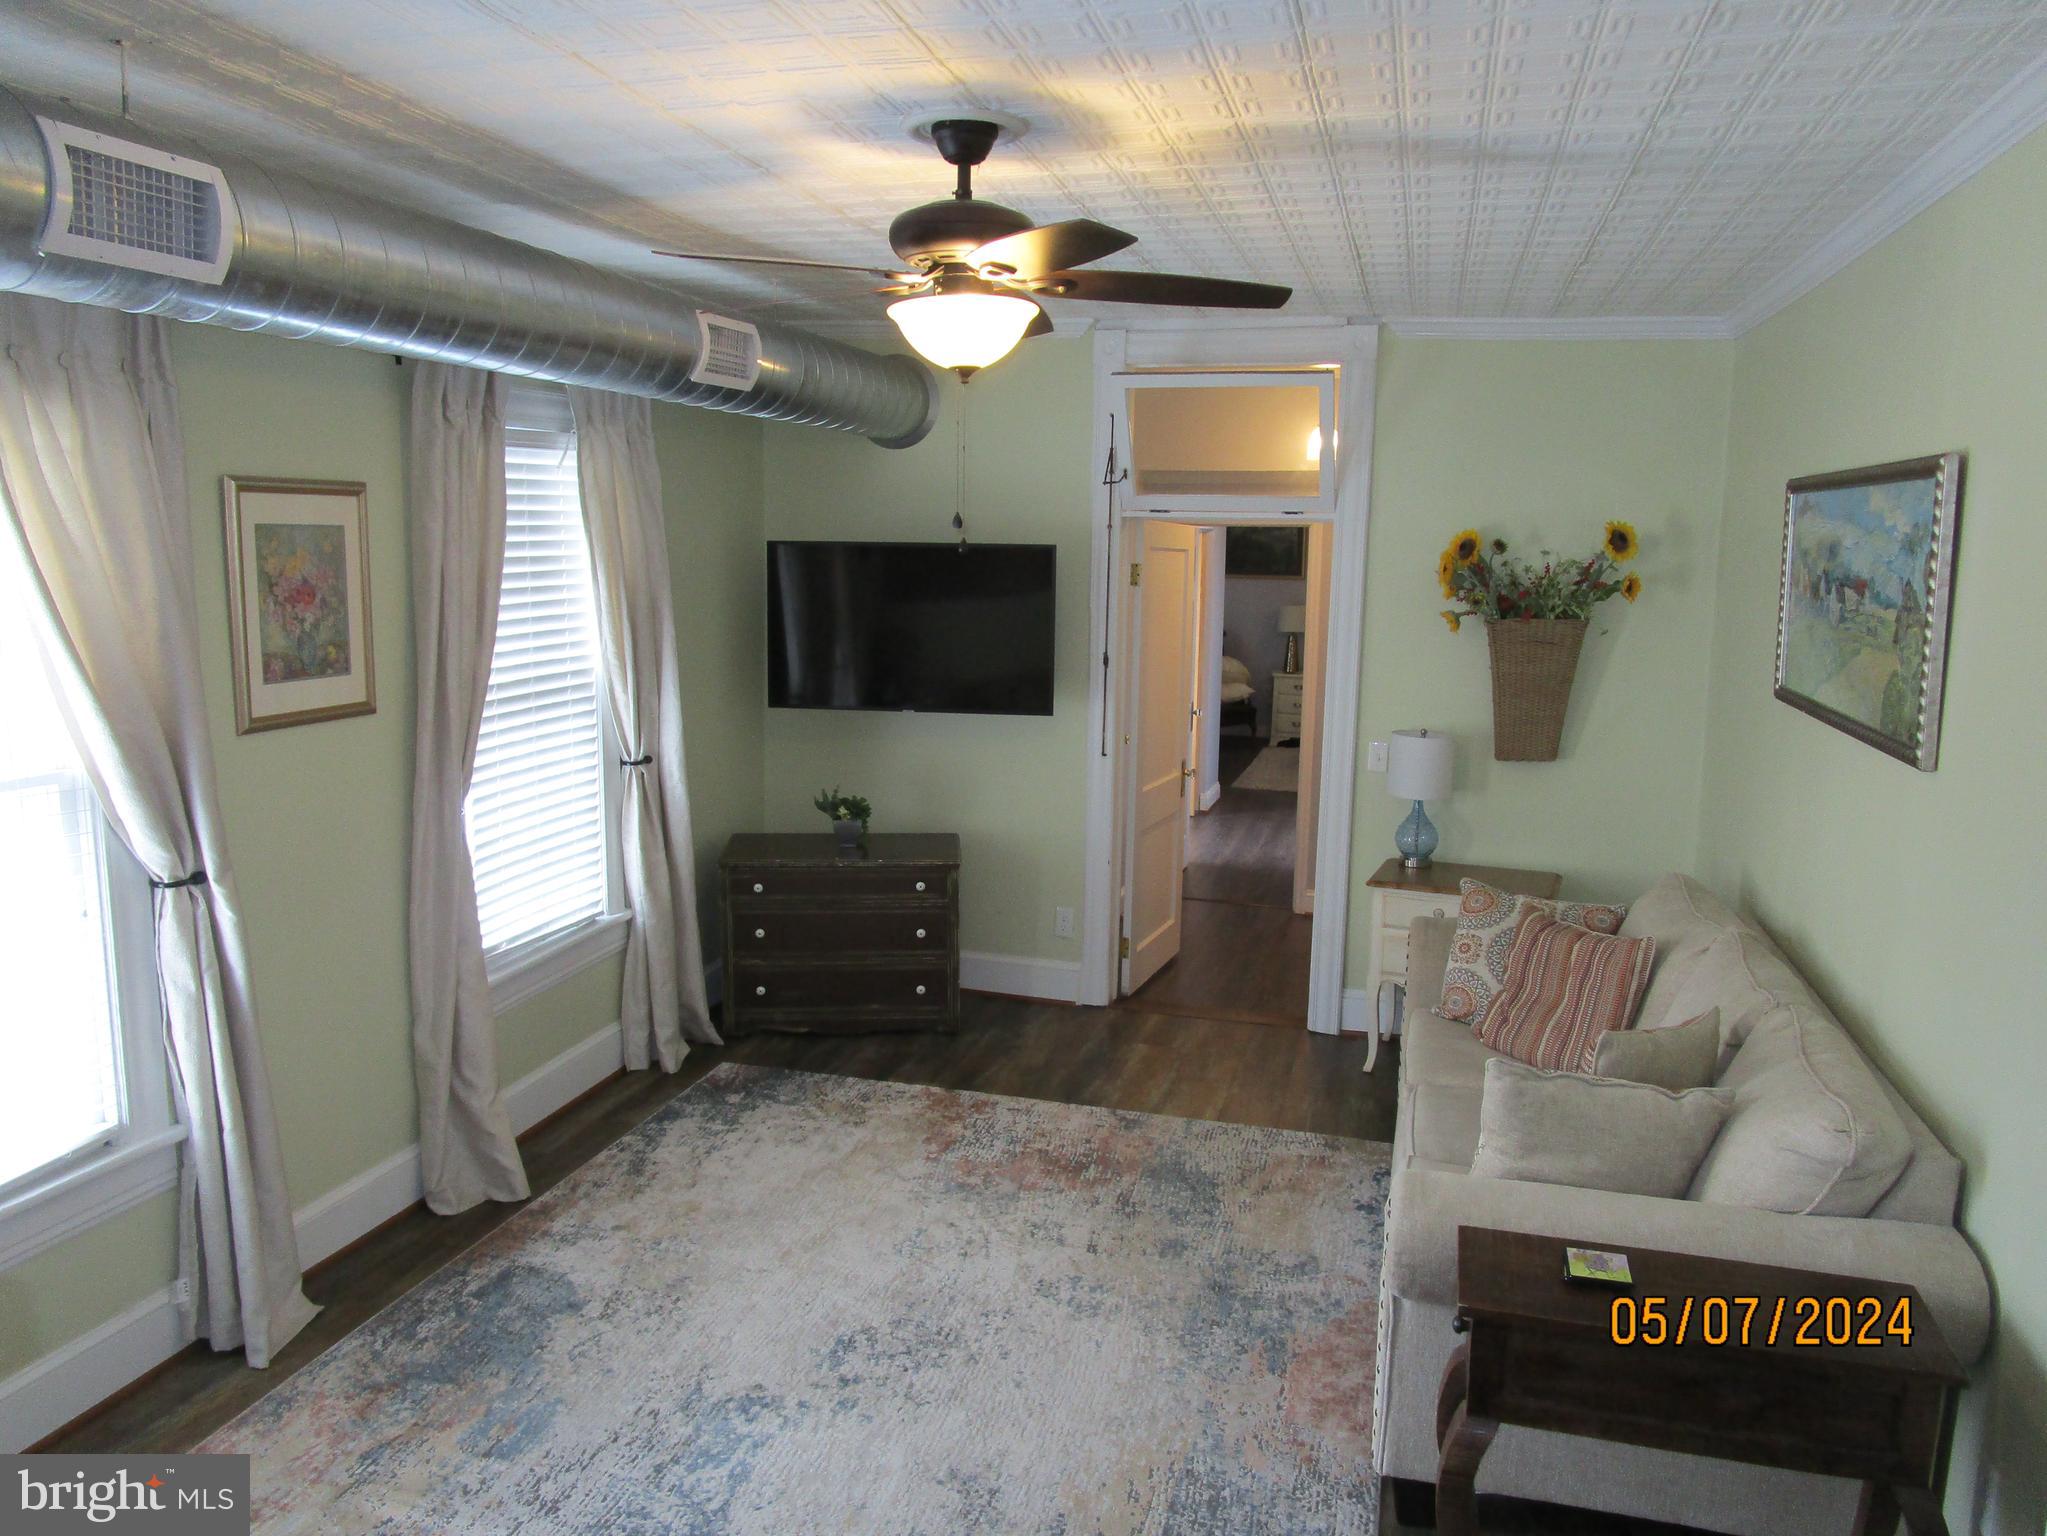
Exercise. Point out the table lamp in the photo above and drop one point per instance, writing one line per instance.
(1293, 623)
(1417, 769)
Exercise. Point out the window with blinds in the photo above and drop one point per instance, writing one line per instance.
(536, 808)
(60, 1064)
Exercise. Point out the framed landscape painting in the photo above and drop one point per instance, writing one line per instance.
(1862, 624)
(298, 601)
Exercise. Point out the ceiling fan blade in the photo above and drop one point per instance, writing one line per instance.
(1034, 252)
(1164, 288)
(791, 261)
(1042, 326)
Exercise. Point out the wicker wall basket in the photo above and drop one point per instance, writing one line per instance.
(1534, 661)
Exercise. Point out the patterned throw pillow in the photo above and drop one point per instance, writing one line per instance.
(1566, 986)
(1485, 932)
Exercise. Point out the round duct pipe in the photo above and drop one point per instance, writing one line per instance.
(315, 262)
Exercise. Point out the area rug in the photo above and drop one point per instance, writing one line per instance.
(793, 1304)
(1274, 768)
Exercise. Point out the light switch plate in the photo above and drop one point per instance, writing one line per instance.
(1375, 757)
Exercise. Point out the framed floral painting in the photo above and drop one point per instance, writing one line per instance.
(298, 587)
(1867, 581)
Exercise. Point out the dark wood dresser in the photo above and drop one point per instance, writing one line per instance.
(817, 940)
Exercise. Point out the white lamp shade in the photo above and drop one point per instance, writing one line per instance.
(963, 330)
(1293, 619)
(1418, 765)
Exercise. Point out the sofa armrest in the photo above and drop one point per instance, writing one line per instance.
(1428, 1206)
(1428, 956)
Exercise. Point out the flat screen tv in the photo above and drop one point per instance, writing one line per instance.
(935, 628)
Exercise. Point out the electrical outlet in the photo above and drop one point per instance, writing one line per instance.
(1375, 757)
(181, 1292)
(1062, 922)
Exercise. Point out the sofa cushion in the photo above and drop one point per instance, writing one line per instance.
(1564, 987)
(1593, 1132)
(1428, 952)
(1434, 1050)
(1722, 978)
(1486, 919)
(1680, 1058)
(1813, 1131)
(1684, 918)
(1443, 1123)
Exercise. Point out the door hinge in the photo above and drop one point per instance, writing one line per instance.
(1123, 949)
(1135, 567)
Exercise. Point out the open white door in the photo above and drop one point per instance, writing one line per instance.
(1163, 682)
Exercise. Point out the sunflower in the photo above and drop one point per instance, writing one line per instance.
(1450, 618)
(1446, 572)
(1632, 587)
(1620, 540)
(1465, 547)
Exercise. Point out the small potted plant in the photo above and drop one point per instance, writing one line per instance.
(848, 813)
(1535, 613)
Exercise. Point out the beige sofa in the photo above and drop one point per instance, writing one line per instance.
(1904, 1186)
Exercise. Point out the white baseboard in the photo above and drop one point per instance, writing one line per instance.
(1057, 981)
(56, 1389)
(1361, 1012)
(1210, 795)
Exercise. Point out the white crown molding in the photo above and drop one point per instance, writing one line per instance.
(1566, 328)
(2001, 122)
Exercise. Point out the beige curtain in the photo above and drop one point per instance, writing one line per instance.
(467, 1152)
(92, 477)
(662, 1003)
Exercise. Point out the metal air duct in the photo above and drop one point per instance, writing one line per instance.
(312, 261)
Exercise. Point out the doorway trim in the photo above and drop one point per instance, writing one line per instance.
(1354, 349)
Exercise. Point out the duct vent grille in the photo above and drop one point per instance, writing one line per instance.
(132, 206)
(728, 352)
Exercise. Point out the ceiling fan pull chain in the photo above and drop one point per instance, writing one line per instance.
(959, 487)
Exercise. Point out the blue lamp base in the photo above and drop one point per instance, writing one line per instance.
(1416, 838)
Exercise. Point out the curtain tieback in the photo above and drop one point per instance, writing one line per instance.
(636, 762)
(197, 877)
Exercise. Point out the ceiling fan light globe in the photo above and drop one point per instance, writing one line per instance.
(963, 330)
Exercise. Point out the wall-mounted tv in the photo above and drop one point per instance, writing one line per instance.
(935, 628)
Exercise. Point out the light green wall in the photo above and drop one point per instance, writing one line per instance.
(1917, 902)
(1539, 443)
(1014, 788)
(318, 816)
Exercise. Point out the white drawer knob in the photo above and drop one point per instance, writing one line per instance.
(757, 887)
(1439, 911)
(760, 991)
(920, 885)
(760, 933)
(920, 933)
(920, 991)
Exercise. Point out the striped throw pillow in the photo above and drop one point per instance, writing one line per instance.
(1485, 933)
(1565, 987)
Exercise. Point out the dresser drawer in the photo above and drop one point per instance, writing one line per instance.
(847, 881)
(858, 930)
(914, 984)
(1399, 908)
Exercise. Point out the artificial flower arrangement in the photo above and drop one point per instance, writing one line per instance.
(1494, 585)
(839, 807)
(1536, 613)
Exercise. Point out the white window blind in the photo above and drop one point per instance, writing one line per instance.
(536, 811)
(60, 1064)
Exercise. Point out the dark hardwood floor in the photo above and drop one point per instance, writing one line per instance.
(1243, 949)
(1120, 1058)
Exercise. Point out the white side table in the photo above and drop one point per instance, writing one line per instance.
(1400, 895)
(1286, 706)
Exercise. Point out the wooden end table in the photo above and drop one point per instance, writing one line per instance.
(1541, 1352)
(1400, 895)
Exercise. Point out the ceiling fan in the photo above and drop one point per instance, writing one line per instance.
(976, 269)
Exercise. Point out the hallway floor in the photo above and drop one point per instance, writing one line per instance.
(1243, 950)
